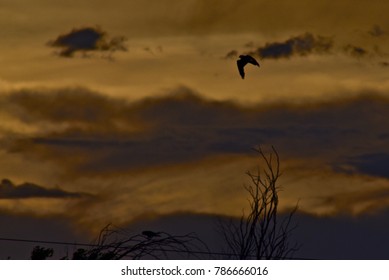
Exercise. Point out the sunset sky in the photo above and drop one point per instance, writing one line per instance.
(125, 111)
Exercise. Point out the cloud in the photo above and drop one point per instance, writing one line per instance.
(87, 132)
(355, 51)
(77, 108)
(300, 45)
(384, 64)
(308, 44)
(377, 31)
(29, 190)
(193, 17)
(85, 40)
(115, 133)
(360, 201)
(182, 151)
(375, 164)
(231, 54)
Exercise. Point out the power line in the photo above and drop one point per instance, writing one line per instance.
(96, 245)
(47, 242)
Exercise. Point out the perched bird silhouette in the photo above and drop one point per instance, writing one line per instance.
(150, 234)
(243, 60)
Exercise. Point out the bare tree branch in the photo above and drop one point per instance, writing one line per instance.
(260, 234)
(115, 244)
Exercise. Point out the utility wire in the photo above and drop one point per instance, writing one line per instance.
(47, 242)
(96, 245)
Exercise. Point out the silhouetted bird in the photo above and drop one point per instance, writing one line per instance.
(150, 234)
(243, 60)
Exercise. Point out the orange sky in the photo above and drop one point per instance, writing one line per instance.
(168, 125)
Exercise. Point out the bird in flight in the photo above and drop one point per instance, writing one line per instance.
(243, 60)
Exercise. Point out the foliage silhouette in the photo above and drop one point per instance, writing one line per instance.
(41, 253)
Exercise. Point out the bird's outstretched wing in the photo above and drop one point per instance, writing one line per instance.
(241, 63)
(252, 60)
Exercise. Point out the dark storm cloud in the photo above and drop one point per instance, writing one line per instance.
(87, 39)
(110, 135)
(29, 190)
(295, 46)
